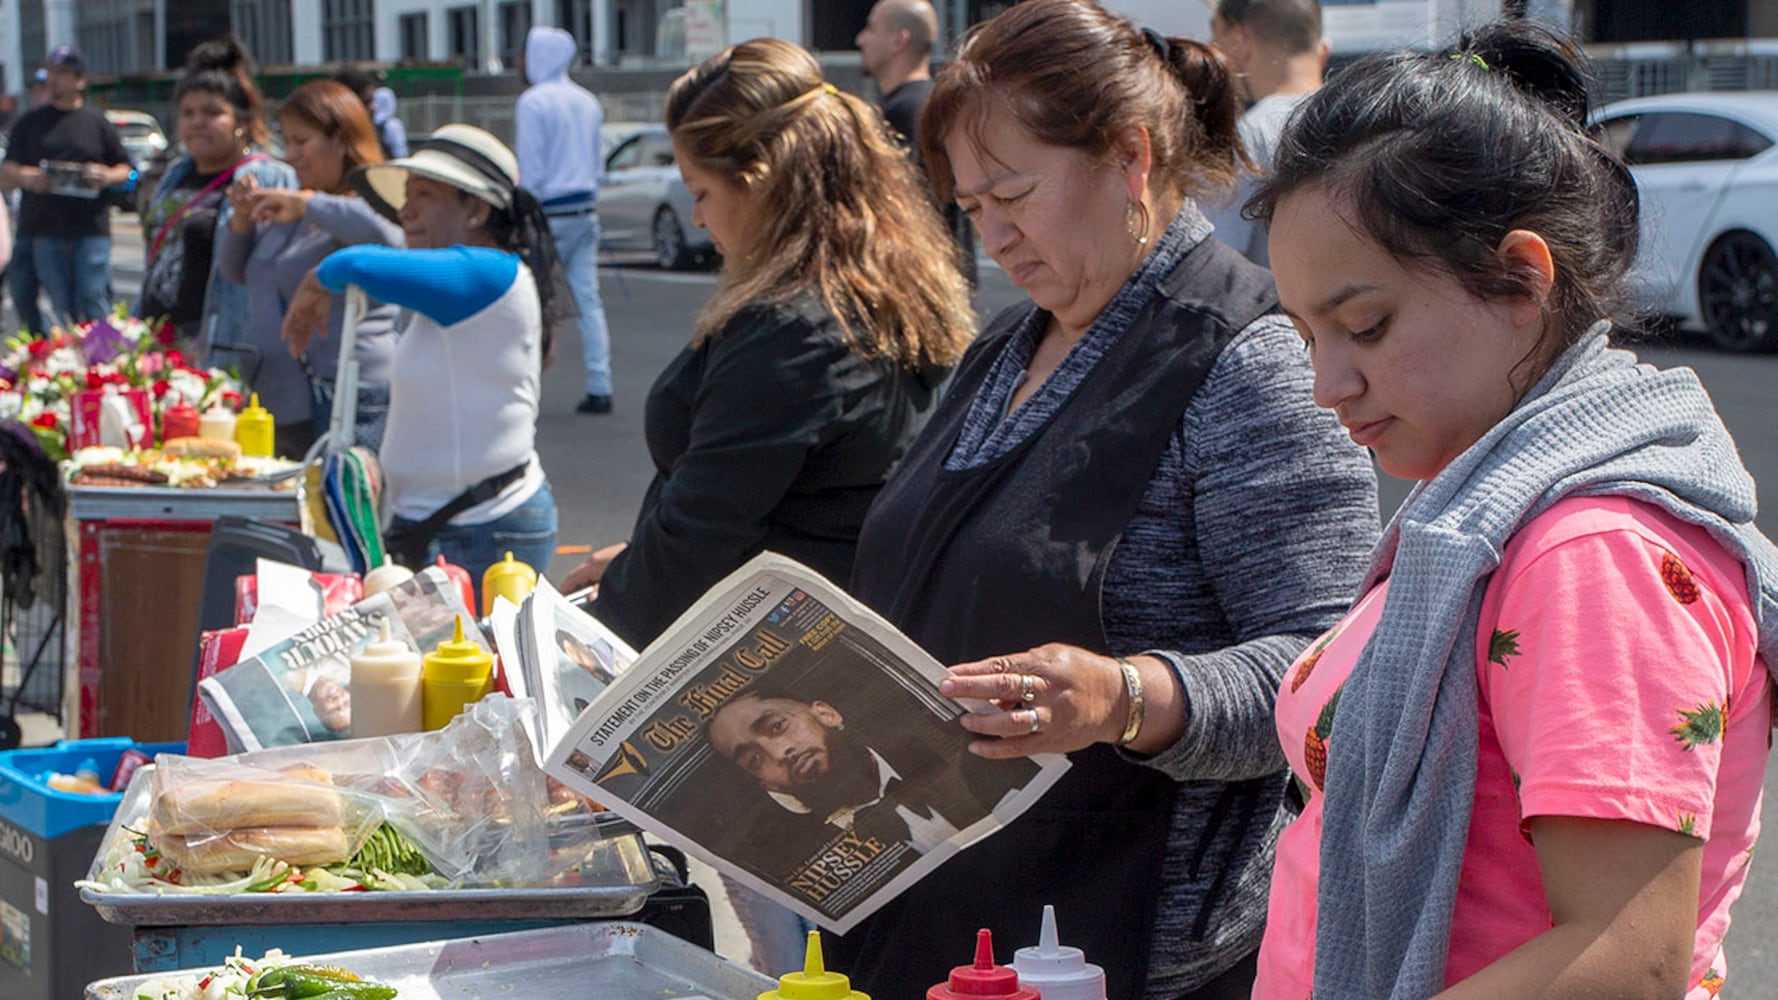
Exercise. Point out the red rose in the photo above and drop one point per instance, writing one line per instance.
(38, 349)
(160, 387)
(164, 334)
(175, 359)
(94, 379)
(45, 420)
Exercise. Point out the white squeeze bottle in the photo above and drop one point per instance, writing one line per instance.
(1057, 972)
(385, 688)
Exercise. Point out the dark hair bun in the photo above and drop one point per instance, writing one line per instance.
(1209, 79)
(225, 54)
(1536, 60)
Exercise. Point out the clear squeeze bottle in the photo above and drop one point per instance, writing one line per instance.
(1055, 971)
(385, 688)
(814, 982)
(453, 676)
(217, 423)
(385, 576)
(983, 979)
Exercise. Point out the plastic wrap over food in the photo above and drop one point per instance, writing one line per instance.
(212, 816)
(470, 796)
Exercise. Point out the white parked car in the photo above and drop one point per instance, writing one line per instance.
(643, 202)
(141, 134)
(1706, 165)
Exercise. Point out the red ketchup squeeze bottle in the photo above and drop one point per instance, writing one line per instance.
(179, 420)
(814, 982)
(460, 576)
(1055, 970)
(983, 979)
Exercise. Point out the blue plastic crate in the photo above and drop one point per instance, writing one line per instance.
(28, 803)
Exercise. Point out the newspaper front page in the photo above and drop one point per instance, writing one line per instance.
(791, 738)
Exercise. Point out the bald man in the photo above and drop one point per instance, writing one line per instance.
(895, 50)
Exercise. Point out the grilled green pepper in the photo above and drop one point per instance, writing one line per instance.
(315, 982)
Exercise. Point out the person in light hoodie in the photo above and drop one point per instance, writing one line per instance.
(560, 160)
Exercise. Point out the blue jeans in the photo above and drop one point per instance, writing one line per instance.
(577, 242)
(76, 273)
(21, 275)
(528, 531)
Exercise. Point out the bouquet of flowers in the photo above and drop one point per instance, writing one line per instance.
(41, 374)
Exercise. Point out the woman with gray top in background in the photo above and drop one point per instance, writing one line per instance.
(1123, 522)
(275, 237)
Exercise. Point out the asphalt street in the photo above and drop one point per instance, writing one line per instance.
(599, 469)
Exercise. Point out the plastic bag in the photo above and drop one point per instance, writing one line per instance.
(470, 796)
(214, 816)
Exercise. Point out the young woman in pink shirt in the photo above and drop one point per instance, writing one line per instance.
(1530, 758)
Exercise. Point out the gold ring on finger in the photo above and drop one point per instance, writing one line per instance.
(1027, 688)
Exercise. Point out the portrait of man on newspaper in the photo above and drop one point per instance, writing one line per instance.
(897, 791)
(790, 738)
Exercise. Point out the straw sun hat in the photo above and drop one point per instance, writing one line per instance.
(463, 156)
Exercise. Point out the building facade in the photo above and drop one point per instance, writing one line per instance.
(124, 37)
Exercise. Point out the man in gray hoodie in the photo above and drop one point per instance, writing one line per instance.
(560, 161)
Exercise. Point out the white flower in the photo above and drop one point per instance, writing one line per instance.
(10, 405)
(189, 385)
(65, 361)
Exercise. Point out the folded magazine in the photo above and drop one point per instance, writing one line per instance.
(793, 739)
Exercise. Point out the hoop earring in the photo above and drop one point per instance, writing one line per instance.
(1139, 235)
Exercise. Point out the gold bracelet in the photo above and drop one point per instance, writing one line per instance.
(1133, 688)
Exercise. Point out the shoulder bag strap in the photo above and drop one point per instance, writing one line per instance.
(226, 176)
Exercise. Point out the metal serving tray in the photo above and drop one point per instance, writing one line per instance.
(599, 961)
(617, 877)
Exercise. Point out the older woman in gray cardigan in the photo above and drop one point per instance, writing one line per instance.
(275, 237)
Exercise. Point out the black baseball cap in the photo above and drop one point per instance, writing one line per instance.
(66, 55)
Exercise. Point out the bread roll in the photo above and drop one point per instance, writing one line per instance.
(197, 447)
(211, 806)
(237, 850)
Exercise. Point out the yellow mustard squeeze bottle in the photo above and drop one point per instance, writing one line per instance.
(507, 578)
(453, 676)
(254, 429)
(814, 982)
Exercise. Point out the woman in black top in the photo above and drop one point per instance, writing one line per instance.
(838, 313)
(220, 125)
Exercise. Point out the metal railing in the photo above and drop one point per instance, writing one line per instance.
(1649, 68)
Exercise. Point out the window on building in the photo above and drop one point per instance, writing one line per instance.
(834, 24)
(576, 18)
(264, 27)
(348, 30)
(463, 35)
(415, 31)
(515, 23)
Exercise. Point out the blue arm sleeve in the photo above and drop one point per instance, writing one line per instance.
(447, 286)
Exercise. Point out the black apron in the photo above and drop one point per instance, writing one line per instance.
(1011, 555)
